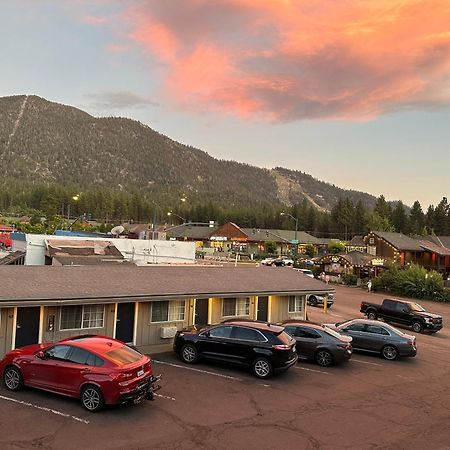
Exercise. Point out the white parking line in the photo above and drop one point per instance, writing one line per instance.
(165, 396)
(365, 362)
(42, 408)
(312, 370)
(197, 370)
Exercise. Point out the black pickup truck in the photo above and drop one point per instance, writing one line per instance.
(403, 312)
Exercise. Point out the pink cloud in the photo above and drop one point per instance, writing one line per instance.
(94, 20)
(286, 60)
(117, 48)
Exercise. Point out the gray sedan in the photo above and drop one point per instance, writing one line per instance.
(376, 337)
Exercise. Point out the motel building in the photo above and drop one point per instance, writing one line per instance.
(143, 306)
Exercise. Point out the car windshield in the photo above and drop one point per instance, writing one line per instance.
(123, 355)
(332, 332)
(416, 307)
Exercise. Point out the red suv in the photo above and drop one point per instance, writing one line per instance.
(96, 369)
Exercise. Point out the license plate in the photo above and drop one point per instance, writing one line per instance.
(140, 372)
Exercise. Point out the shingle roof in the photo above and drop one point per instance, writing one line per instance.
(357, 258)
(400, 241)
(357, 241)
(11, 258)
(49, 285)
(196, 232)
(263, 235)
(434, 248)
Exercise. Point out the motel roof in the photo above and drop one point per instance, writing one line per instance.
(46, 285)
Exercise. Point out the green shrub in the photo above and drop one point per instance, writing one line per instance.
(349, 279)
(414, 282)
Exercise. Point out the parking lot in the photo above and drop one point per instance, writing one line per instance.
(366, 403)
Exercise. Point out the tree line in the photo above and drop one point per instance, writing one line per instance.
(52, 203)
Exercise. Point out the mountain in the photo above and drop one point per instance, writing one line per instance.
(46, 142)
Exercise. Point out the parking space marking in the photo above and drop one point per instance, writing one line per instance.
(229, 377)
(365, 362)
(165, 396)
(312, 370)
(43, 408)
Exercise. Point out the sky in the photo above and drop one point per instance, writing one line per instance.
(353, 92)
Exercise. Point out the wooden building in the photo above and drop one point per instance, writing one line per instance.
(142, 305)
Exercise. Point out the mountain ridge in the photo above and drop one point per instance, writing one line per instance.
(44, 141)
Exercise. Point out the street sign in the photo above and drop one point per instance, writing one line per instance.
(294, 241)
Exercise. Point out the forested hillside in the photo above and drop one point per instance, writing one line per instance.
(42, 142)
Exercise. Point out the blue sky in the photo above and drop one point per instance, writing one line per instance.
(373, 120)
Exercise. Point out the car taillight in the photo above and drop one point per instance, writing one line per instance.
(412, 342)
(281, 347)
(121, 376)
(342, 345)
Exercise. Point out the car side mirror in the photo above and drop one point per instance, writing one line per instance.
(40, 355)
(207, 334)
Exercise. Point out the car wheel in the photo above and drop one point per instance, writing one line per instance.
(312, 300)
(92, 398)
(389, 352)
(189, 354)
(372, 315)
(324, 358)
(417, 327)
(13, 379)
(262, 368)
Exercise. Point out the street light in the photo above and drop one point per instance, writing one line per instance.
(170, 213)
(296, 229)
(75, 198)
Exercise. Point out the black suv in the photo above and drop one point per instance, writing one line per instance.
(263, 347)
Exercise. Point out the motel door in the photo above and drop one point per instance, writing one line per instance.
(201, 311)
(263, 304)
(27, 326)
(125, 322)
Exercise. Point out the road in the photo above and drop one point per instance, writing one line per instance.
(367, 403)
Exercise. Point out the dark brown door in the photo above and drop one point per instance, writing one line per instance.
(263, 306)
(125, 322)
(201, 311)
(27, 326)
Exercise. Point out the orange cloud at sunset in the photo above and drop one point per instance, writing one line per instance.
(284, 60)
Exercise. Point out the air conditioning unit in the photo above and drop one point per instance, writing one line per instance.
(168, 332)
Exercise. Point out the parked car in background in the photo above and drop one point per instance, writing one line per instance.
(319, 343)
(403, 312)
(283, 261)
(263, 347)
(307, 272)
(96, 369)
(377, 337)
(318, 300)
(268, 261)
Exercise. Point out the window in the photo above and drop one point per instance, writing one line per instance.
(308, 333)
(236, 307)
(168, 311)
(222, 332)
(295, 304)
(291, 330)
(58, 352)
(247, 334)
(356, 327)
(79, 355)
(82, 316)
(376, 330)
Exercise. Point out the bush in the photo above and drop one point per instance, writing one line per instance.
(349, 279)
(414, 282)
